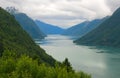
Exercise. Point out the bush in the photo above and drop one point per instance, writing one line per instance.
(26, 67)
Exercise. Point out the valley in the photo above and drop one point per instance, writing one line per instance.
(51, 41)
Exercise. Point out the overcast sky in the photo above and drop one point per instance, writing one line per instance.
(64, 13)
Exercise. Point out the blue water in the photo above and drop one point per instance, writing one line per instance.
(100, 62)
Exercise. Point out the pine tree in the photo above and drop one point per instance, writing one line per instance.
(67, 64)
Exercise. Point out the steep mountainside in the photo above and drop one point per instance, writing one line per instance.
(15, 40)
(49, 29)
(29, 25)
(83, 28)
(106, 34)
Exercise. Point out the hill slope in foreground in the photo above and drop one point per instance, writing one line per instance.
(14, 38)
(22, 58)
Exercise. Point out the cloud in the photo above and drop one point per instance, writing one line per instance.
(64, 13)
(113, 4)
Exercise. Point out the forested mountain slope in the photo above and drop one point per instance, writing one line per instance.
(106, 34)
(27, 23)
(14, 39)
(20, 57)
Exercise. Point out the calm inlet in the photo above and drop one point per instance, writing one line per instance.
(100, 62)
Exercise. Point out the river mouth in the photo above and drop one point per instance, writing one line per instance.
(100, 62)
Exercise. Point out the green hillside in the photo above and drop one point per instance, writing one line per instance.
(15, 39)
(27, 23)
(106, 34)
(20, 57)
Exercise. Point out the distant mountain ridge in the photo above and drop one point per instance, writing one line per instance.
(27, 23)
(49, 29)
(74, 30)
(106, 34)
(83, 28)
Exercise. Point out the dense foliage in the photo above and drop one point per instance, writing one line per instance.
(14, 39)
(22, 58)
(106, 34)
(26, 67)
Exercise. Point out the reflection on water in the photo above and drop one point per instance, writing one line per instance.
(101, 62)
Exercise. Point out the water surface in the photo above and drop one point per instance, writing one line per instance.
(100, 62)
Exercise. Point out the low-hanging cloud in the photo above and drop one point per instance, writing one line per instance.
(113, 4)
(64, 13)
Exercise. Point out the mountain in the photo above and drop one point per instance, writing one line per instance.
(107, 33)
(49, 29)
(82, 28)
(13, 39)
(75, 30)
(27, 23)
(22, 58)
